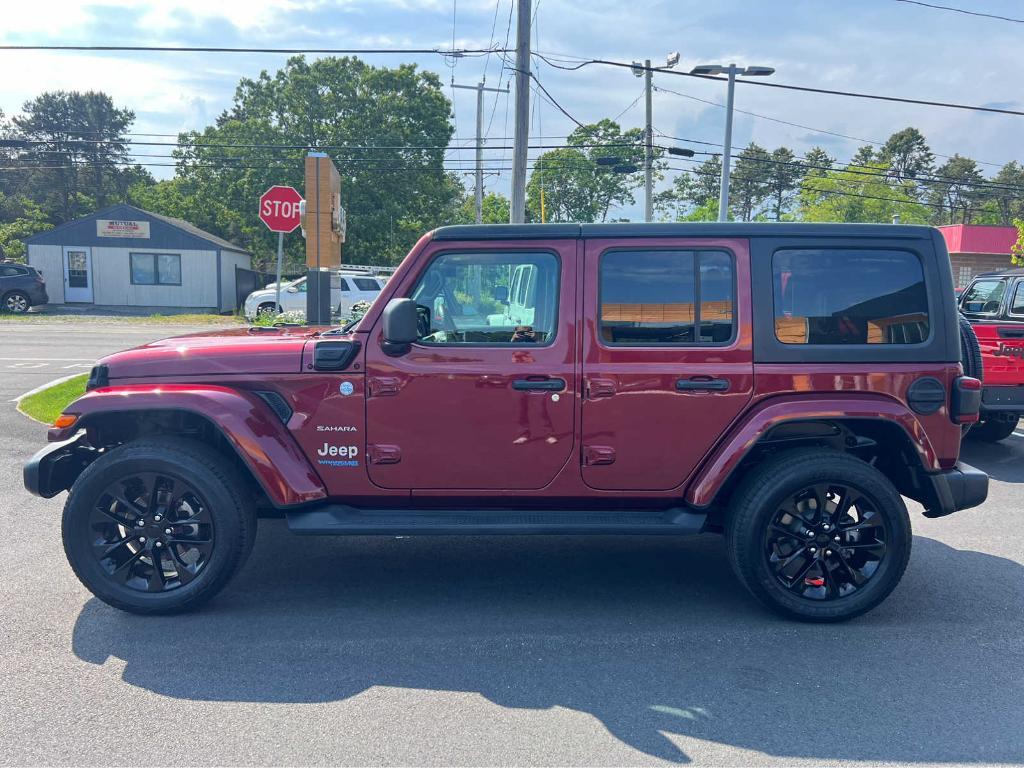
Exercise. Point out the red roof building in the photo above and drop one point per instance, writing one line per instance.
(977, 248)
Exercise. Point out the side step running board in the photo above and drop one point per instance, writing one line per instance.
(352, 521)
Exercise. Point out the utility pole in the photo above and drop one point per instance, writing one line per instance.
(480, 88)
(732, 70)
(522, 129)
(648, 146)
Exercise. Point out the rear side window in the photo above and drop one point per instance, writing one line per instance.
(1017, 304)
(366, 284)
(847, 296)
(667, 297)
(984, 297)
(12, 271)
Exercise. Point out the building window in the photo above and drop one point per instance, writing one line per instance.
(155, 268)
(651, 298)
(964, 277)
(845, 296)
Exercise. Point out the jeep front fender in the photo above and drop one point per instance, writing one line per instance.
(724, 459)
(259, 438)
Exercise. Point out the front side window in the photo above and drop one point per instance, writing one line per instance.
(983, 297)
(155, 268)
(488, 298)
(847, 296)
(667, 297)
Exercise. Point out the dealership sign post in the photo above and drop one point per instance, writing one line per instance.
(280, 211)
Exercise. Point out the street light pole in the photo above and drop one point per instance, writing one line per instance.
(723, 192)
(732, 71)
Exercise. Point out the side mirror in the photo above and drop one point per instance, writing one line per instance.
(292, 289)
(501, 293)
(399, 324)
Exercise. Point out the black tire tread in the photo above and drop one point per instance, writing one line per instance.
(970, 350)
(189, 451)
(761, 482)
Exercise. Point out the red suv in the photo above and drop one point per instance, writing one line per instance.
(994, 305)
(784, 385)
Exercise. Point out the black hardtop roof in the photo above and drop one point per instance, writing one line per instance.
(1008, 272)
(696, 229)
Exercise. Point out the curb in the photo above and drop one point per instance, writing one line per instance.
(41, 387)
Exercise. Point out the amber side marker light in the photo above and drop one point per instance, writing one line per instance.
(65, 420)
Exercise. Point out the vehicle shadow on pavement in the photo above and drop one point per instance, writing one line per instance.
(1000, 461)
(652, 636)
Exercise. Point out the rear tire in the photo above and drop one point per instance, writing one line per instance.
(268, 309)
(993, 430)
(16, 302)
(158, 525)
(818, 563)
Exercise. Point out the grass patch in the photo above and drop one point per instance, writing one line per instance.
(47, 405)
(39, 318)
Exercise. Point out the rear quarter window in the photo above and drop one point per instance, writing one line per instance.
(366, 284)
(840, 296)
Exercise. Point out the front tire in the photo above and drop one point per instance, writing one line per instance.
(993, 430)
(818, 535)
(158, 525)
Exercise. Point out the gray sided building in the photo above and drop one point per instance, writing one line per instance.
(123, 256)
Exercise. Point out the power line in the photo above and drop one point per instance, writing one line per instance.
(783, 86)
(962, 10)
(456, 52)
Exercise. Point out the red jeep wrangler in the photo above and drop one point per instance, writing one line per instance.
(781, 384)
(994, 305)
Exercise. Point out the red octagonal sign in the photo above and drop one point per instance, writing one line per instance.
(279, 208)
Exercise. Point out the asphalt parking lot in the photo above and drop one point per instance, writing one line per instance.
(501, 651)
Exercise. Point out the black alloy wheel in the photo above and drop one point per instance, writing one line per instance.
(817, 534)
(159, 525)
(152, 532)
(825, 542)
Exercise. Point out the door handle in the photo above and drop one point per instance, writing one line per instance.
(546, 384)
(702, 384)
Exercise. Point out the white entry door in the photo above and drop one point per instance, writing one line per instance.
(77, 274)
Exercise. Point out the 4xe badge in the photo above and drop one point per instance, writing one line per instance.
(346, 388)
(338, 455)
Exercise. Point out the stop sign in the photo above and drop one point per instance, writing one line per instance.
(279, 208)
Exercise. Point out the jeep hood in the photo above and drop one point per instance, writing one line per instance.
(220, 352)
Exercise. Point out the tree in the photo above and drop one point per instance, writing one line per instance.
(19, 218)
(859, 194)
(750, 186)
(495, 209)
(1017, 253)
(692, 193)
(864, 156)
(784, 175)
(1009, 198)
(955, 191)
(817, 162)
(385, 128)
(77, 147)
(576, 187)
(907, 155)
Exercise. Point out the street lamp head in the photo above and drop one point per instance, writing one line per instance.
(707, 69)
(672, 59)
(608, 160)
(758, 71)
(681, 151)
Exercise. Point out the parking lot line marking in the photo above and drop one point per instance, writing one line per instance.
(41, 387)
(49, 359)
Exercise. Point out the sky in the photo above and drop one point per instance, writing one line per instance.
(874, 46)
